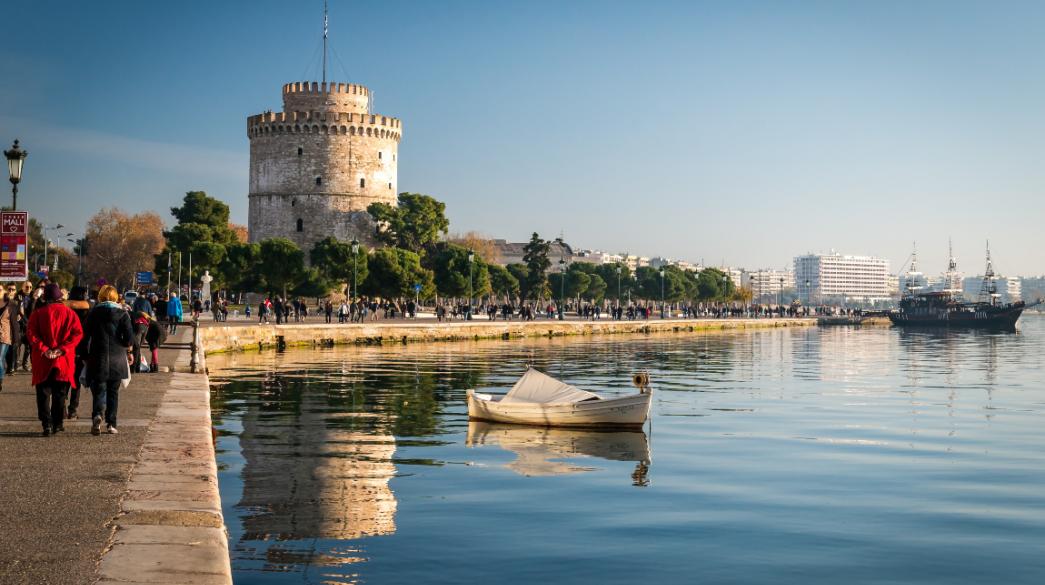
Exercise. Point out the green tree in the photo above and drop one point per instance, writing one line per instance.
(502, 281)
(281, 264)
(394, 272)
(452, 271)
(416, 224)
(577, 283)
(521, 273)
(608, 273)
(200, 209)
(333, 258)
(713, 285)
(596, 290)
(239, 268)
(535, 256)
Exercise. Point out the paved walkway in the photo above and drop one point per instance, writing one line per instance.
(67, 500)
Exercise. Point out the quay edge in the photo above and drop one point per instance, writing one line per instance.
(218, 338)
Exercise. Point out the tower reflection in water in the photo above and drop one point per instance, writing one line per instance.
(312, 474)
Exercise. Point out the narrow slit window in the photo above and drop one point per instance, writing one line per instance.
(319, 180)
(362, 183)
(301, 225)
(301, 151)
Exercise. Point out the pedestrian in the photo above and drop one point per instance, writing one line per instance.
(155, 336)
(109, 334)
(81, 306)
(54, 330)
(174, 312)
(141, 314)
(9, 315)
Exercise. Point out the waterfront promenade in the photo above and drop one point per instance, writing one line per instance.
(138, 507)
(240, 335)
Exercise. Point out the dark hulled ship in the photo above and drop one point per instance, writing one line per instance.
(947, 308)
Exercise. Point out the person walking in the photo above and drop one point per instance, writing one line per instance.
(108, 334)
(81, 306)
(10, 311)
(155, 337)
(141, 314)
(174, 312)
(53, 331)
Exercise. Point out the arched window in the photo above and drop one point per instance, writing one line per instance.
(362, 183)
(319, 181)
(301, 151)
(301, 225)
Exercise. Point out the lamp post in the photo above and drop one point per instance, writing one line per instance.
(79, 258)
(809, 293)
(618, 285)
(355, 258)
(47, 241)
(755, 296)
(15, 160)
(471, 263)
(780, 293)
(562, 280)
(662, 292)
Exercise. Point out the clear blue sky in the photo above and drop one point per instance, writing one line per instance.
(739, 131)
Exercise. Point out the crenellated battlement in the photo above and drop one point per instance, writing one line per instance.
(330, 123)
(317, 87)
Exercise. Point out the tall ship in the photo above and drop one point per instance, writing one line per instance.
(948, 308)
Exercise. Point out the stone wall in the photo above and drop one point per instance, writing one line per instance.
(239, 337)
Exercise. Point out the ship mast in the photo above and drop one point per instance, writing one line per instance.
(988, 290)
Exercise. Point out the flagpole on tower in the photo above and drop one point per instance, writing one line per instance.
(324, 43)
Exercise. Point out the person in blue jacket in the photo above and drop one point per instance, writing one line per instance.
(174, 312)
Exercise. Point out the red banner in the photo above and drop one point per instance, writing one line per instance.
(14, 252)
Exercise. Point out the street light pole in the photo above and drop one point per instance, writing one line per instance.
(562, 294)
(47, 241)
(471, 261)
(355, 258)
(618, 285)
(662, 293)
(780, 293)
(15, 160)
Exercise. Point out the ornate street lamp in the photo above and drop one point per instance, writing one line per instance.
(15, 160)
(355, 257)
(618, 284)
(809, 293)
(562, 295)
(471, 262)
(780, 293)
(662, 292)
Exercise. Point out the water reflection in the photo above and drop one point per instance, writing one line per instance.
(539, 451)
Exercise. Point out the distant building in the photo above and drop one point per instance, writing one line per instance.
(634, 262)
(834, 277)
(513, 252)
(1010, 288)
(596, 257)
(766, 284)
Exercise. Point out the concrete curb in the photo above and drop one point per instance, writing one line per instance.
(170, 529)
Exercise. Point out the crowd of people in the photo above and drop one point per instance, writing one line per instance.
(70, 341)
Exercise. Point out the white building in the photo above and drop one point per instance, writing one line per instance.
(821, 278)
(767, 284)
(596, 257)
(1010, 288)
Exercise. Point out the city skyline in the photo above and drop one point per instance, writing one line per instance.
(743, 136)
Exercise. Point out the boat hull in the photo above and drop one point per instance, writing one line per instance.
(624, 412)
(1004, 319)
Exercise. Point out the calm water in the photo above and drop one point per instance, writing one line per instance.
(784, 456)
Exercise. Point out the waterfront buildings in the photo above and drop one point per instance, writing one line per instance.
(766, 285)
(835, 277)
(513, 252)
(1010, 288)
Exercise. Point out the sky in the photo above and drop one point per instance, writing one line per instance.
(737, 132)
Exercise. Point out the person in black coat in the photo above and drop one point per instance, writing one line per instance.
(108, 334)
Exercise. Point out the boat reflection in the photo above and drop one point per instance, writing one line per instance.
(540, 451)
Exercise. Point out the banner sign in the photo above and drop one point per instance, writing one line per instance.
(143, 278)
(14, 253)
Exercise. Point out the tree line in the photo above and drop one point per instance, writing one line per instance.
(414, 256)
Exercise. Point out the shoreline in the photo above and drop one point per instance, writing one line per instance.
(220, 338)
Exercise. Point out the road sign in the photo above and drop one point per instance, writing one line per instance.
(143, 278)
(14, 265)
(417, 288)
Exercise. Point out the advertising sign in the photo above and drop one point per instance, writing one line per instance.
(14, 253)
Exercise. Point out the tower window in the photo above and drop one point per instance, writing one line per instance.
(379, 154)
(301, 225)
(319, 180)
(390, 185)
(362, 183)
(301, 151)
(393, 158)
(293, 202)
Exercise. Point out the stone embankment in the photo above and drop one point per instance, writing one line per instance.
(221, 337)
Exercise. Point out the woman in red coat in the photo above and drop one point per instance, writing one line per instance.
(53, 332)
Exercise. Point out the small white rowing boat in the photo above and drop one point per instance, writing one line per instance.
(539, 399)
